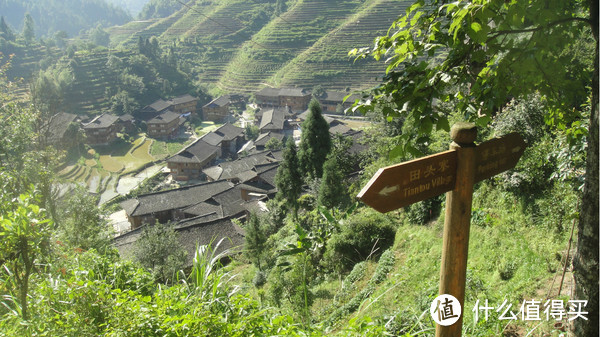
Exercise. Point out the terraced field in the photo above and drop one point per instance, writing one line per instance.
(328, 61)
(103, 173)
(121, 34)
(92, 77)
(26, 60)
(282, 40)
(306, 45)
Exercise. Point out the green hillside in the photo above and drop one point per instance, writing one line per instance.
(327, 60)
(240, 46)
(70, 16)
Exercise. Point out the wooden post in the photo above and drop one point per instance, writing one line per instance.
(457, 223)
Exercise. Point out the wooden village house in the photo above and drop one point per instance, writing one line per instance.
(102, 129)
(188, 163)
(296, 99)
(185, 105)
(165, 125)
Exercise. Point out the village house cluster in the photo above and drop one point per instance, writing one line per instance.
(223, 175)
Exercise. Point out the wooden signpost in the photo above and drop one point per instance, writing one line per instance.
(454, 171)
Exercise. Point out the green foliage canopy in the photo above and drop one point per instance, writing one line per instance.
(315, 141)
(288, 178)
(478, 55)
(159, 250)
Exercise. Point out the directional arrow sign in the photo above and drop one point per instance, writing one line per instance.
(400, 185)
(498, 155)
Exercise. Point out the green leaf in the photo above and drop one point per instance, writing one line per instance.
(292, 251)
(442, 124)
(483, 121)
(397, 151)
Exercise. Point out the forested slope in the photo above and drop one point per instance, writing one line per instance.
(71, 16)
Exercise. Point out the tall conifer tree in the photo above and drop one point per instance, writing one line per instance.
(315, 142)
(331, 192)
(28, 28)
(5, 31)
(288, 178)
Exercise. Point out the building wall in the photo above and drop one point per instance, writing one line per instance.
(187, 171)
(101, 135)
(185, 107)
(267, 101)
(163, 130)
(217, 114)
(295, 102)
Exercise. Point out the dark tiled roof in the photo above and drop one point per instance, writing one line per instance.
(229, 131)
(260, 168)
(219, 102)
(304, 115)
(268, 92)
(183, 99)
(126, 118)
(296, 92)
(230, 169)
(263, 138)
(160, 105)
(202, 233)
(130, 205)
(338, 97)
(208, 217)
(340, 129)
(275, 156)
(231, 201)
(175, 199)
(58, 125)
(358, 144)
(269, 175)
(273, 92)
(207, 207)
(197, 152)
(102, 121)
(246, 175)
(212, 138)
(273, 118)
(192, 233)
(164, 118)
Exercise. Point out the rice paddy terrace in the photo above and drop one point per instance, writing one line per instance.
(233, 45)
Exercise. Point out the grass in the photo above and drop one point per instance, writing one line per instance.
(163, 149)
(513, 257)
(206, 127)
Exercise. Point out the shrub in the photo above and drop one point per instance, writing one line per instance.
(364, 235)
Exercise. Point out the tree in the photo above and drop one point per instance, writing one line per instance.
(24, 238)
(332, 193)
(158, 249)
(274, 144)
(251, 131)
(288, 178)
(315, 142)
(99, 36)
(5, 31)
(28, 28)
(60, 38)
(255, 240)
(318, 91)
(81, 224)
(478, 55)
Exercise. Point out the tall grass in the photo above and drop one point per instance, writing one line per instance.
(207, 280)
